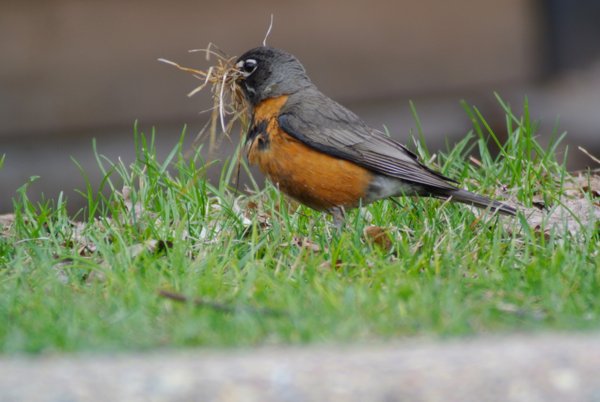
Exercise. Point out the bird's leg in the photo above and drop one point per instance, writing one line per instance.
(338, 217)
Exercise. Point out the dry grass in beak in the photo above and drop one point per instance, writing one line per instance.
(229, 104)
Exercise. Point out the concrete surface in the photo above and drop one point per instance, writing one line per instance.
(544, 368)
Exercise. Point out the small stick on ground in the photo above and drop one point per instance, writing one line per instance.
(220, 307)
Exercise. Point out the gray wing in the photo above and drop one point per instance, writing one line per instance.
(327, 126)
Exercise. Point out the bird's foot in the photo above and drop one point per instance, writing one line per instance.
(339, 216)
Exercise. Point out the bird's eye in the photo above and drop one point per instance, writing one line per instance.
(249, 66)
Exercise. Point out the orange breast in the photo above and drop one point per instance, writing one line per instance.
(312, 177)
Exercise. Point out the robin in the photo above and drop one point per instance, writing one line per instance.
(322, 154)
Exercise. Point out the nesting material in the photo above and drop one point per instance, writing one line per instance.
(229, 104)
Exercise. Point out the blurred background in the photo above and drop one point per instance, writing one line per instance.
(74, 70)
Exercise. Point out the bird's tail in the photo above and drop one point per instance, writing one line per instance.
(480, 201)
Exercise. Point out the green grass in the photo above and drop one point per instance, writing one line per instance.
(93, 285)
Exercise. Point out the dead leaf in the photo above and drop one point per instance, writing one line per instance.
(7, 219)
(326, 265)
(585, 183)
(6, 223)
(136, 208)
(86, 249)
(61, 272)
(538, 202)
(95, 276)
(306, 244)
(252, 210)
(378, 236)
(85, 246)
(570, 216)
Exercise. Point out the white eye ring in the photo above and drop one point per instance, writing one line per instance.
(247, 66)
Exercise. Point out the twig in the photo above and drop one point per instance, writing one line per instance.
(224, 308)
(585, 151)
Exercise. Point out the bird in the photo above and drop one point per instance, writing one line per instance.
(323, 155)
